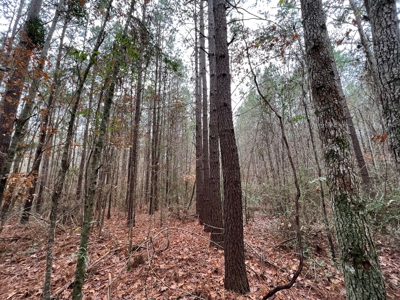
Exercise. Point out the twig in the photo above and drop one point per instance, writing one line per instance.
(283, 242)
(262, 258)
(14, 238)
(109, 287)
(65, 286)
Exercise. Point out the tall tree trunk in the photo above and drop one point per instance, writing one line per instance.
(146, 187)
(362, 275)
(21, 124)
(216, 222)
(82, 163)
(60, 179)
(199, 139)
(153, 205)
(135, 136)
(206, 162)
(30, 36)
(46, 116)
(235, 268)
(366, 182)
(386, 39)
(95, 164)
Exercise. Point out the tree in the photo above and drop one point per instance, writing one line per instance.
(21, 125)
(31, 36)
(214, 197)
(386, 40)
(65, 162)
(362, 275)
(26, 112)
(205, 156)
(198, 118)
(235, 268)
(96, 162)
(135, 134)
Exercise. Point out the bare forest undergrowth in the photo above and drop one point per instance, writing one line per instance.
(172, 261)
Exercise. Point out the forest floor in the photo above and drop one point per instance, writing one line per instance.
(172, 261)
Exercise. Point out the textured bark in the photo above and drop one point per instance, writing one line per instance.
(386, 39)
(365, 43)
(205, 155)
(235, 268)
(366, 182)
(319, 169)
(199, 138)
(217, 233)
(362, 275)
(14, 86)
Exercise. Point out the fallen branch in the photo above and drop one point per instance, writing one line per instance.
(283, 242)
(262, 257)
(14, 238)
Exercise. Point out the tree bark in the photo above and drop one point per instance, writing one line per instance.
(386, 40)
(362, 275)
(15, 84)
(205, 155)
(199, 138)
(235, 268)
(216, 222)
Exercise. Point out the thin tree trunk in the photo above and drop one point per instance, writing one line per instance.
(205, 155)
(216, 219)
(135, 137)
(153, 205)
(43, 177)
(82, 163)
(65, 165)
(46, 116)
(199, 139)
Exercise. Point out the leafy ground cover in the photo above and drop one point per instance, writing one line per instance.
(170, 261)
